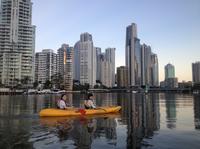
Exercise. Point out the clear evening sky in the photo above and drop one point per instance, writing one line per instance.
(171, 27)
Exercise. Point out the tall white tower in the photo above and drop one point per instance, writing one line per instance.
(85, 60)
(110, 57)
(131, 35)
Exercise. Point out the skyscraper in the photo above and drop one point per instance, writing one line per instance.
(170, 80)
(61, 58)
(196, 72)
(85, 60)
(68, 70)
(122, 80)
(154, 70)
(138, 61)
(17, 42)
(45, 65)
(131, 35)
(76, 63)
(65, 65)
(141, 63)
(107, 67)
(169, 71)
(110, 57)
(133, 56)
(98, 57)
(146, 64)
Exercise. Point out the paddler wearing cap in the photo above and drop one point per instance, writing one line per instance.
(88, 103)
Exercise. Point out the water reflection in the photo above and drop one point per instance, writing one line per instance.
(197, 112)
(109, 99)
(64, 128)
(142, 116)
(17, 115)
(140, 123)
(81, 131)
(23, 105)
(170, 100)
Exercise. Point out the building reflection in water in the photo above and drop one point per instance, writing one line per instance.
(16, 116)
(89, 130)
(141, 115)
(26, 105)
(108, 99)
(14, 126)
(170, 103)
(197, 112)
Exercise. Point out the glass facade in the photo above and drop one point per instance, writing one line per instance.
(196, 72)
(169, 71)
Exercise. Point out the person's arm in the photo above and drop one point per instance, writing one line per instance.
(85, 102)
(92, 104)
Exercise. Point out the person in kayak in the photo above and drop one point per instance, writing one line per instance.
(63, 103)
(88, 103)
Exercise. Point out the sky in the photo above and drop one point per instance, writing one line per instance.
(170, 27)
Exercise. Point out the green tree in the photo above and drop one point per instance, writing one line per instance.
(47, 84)
(57, 80)
(25, 81)
(35, 84)
(17, 83)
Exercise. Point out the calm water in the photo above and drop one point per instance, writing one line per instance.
(157, 121)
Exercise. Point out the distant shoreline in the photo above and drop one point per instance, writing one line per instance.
(7, 91)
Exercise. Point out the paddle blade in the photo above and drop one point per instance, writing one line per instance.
(82, 111)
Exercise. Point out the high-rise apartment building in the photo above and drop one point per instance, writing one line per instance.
(98, 57)
(68, 68)
(154, 70)
(65, 65)
(169, 71)
(85, 60)
(110, 58)
(170, 80)
(122, 80)
(45, 65)
(60, 59)
(107, 67)
(141, 63)
(131, 35)
(196, 72)
(138, 63)
(76, 63)
(17, 42)
(146, 64)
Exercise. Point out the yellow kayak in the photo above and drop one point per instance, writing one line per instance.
(79, 112)
(53, 121)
